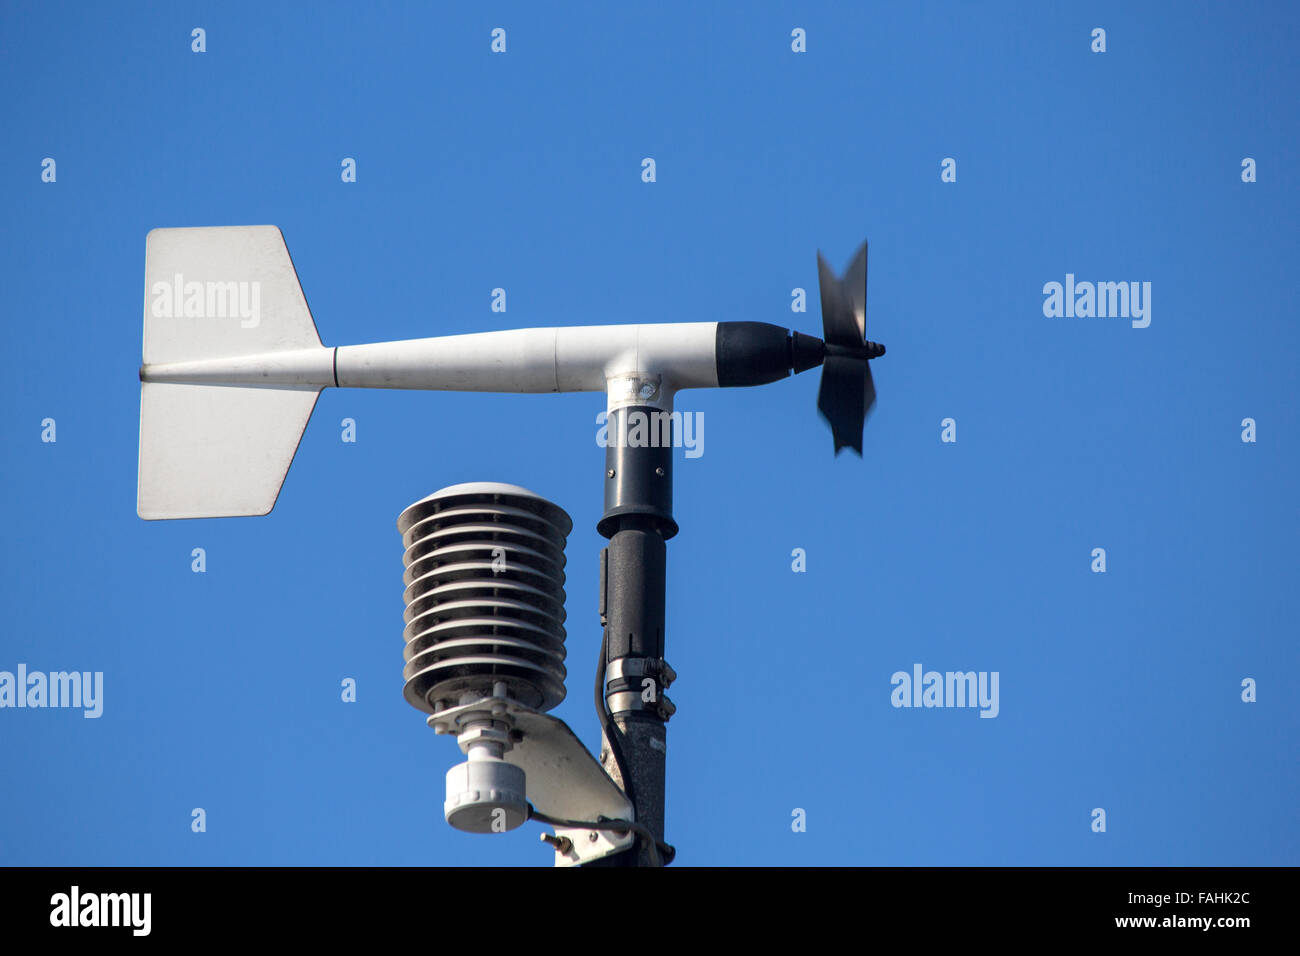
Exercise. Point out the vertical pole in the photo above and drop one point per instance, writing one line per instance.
(637, 521)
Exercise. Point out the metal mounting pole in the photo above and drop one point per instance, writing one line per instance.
(637, 521)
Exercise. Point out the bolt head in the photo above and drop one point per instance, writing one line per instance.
(610, 473)
(593, 836)
(660, 471)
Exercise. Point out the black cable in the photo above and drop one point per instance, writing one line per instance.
(607, 722)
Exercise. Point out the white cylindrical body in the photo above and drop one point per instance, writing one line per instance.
(571, 359)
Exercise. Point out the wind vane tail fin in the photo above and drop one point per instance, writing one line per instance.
(209, 450)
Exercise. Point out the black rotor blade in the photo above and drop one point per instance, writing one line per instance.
(855, 287)
(846, 393)
(839, 320)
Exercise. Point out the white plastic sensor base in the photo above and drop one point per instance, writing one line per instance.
(561, 777)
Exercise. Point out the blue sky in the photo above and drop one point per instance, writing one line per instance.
(1118, 690)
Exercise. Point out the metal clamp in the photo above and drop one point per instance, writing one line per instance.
(622, 702)
(628, 697)
(655, 667)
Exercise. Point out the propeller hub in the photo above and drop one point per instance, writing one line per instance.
(867, 350)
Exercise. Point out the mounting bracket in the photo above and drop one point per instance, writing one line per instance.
(563, 779)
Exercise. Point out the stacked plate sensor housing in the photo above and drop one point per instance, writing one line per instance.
(484, 632)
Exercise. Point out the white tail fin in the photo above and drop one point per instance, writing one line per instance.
(207, 450)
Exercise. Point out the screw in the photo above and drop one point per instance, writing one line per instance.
(610, 473)
(593, 836)
(562, 844)
(660, 471)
